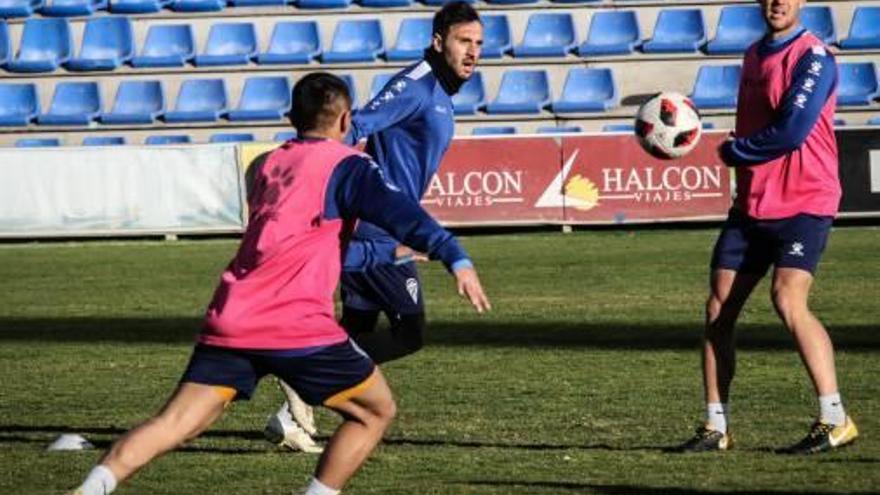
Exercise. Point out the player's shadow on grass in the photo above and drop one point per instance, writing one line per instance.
(570, 486)
(589, 334)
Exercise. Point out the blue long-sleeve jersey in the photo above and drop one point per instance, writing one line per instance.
(358, 189)
(796, 116)
(408, 126)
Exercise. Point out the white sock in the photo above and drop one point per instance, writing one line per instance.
(717, 416)
(318, 488)
(831, 409)
(100, 481)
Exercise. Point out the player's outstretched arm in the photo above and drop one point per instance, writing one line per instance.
(469, 287)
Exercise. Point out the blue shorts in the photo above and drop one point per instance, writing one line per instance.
(747, 245)
(318, 374)
(393, 289)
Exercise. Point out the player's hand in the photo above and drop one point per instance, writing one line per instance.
(469, 286)
(405, 254)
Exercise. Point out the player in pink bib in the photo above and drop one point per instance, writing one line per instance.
(787, 194)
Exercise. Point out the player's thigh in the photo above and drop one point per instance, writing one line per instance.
(192, 408)
(730, 287)
(232, 373)
(799, 241)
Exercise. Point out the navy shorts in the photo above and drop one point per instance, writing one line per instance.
(747, 245)
(318, 374)
(393, 289)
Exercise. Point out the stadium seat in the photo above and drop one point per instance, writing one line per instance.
(496, 36)
(284, 136)
(874, 121)
(45, 44)
(379, 82)
(738, 27)
(559, 130)
(19, 8)
(493, 130)
(199, 100)
(385, 3)
(708, 125)
(840, 123)
(819, 20)
(74, 103)
(137, 102)
(103, 141)
(442, 2)
(258, 3)
(161, 139)
(37, 142)
(612, 33)
(575, 1)
(232, 43)
(352, 88)
(355, 41)
(71, 8)
(5, 46)
(323, 4)
(716, 86)
(107, 44)
(618, 128)
(864, 31)
(263, 98)
(137, 6)
(413, 36)
(292, 43)
(857, 84)
(235, 137)
(471, 97)
(197, 5)
(677, 31)
(19, 104)
(166, 46)
(521, 91)
(547, 35)
(509, 2)
(587, 90)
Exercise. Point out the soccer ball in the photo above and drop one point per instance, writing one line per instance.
(668, 125)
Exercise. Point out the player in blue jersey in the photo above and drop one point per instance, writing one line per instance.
(408, 126)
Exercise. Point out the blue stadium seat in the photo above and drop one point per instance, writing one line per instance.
(107, 44)
(137, 6)
(258, 3)
(263, 98)
(857, 84)
(166, 46)
(229, 43)
(820, 21)
(385, 3)
(471, 97)
(19, 8)
(738, 27)
(5, 45)
(874, 121)
(521, 91)
(379, 82)
(70, 8)
(716, 86)
(575, 1)
(19, 104)
(618, 128)
(864, 31)
(587, 90)
(292, 43)
(841, 123)
(677, 31)
(352, 88)
(103, 141)
(493, 130)
(199, 100)
(282, 136)
(137, 102)
(74, 103)
(235, 137)
(547, 35)
(708, 125)
(161, 139)
(37, 143)
(197, 5)
(323, 4)
(509, 2)
(45, 44)
(442, 2)
(612, 33)
(413, 36)
(355, 41)
(496, 36)
(559, 130)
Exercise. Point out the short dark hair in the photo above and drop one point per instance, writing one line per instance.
(453, 13)
(315, 99)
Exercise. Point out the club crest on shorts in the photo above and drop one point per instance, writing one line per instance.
(412, 286)
(797, 249)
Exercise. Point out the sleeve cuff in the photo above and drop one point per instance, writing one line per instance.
(461, 264)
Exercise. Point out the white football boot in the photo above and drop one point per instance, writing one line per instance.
(302, 413)
(283, 431)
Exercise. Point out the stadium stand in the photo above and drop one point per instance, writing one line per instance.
(107, 44)
(471, 98)
(618, 128)
(19, 8)
(874, 121)
(199, 100)
(496, 36)
(323, 4)
(103, 141)
(137, 6)
(738, 27)
(45, 44)
(72, 8)
(166, 46)
(857, 84)
(413, 36)
(864, 31)
(820, 21)
(677, 31)
(547, 35)
(19, 104)
(237, 137)
(73, 103)
(297, 42)
(197, 5)
(257, 3)
(137, 102)
(521, 91)
(385, 3)
(612, 33)
(587, 90)
(162, 139)
(5, 47)
(355, 41)
(37, 142)
(233, 43)
(558, 130)
(263, 98)
(493, 130)
(352, 88)
(284, 136)
(716, 86)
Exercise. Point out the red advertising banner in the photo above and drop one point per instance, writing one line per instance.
(595, 179)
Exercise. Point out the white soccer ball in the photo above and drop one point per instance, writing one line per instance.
(668, 125)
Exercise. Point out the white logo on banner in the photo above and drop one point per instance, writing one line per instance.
(412, 286)
(875, 171)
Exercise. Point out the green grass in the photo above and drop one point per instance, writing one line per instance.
(584, 372)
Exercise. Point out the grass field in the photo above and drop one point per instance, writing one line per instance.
(586, 370)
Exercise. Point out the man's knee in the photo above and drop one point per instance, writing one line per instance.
(789, 305)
